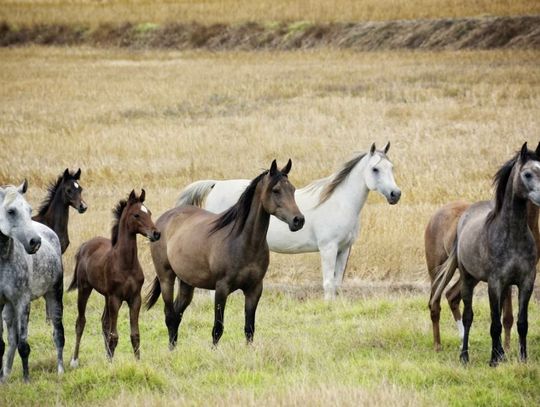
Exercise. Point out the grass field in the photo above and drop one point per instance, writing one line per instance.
(161, 120)
(238, 11)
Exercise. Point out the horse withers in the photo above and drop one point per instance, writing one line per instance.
(30, 267)
(112, 268)
(495, 244)
(332, 207)
(222, 252)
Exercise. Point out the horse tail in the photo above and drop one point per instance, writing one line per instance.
(153, 295)
(73, 284)
(444, 274)
(195, 193)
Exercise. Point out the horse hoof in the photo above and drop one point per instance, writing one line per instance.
(493, 363)
(26, 380)
(60, 370)
(464, 358)
(172, 346)
(438, 347)
(74, 363)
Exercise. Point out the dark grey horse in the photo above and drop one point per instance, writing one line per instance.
(30, 267)
(496, 245)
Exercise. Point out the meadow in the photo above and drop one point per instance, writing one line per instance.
(162, 119)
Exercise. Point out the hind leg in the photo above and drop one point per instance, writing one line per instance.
(508, 317)
(11, 325)
(172, 319)
(341, 265)
(453, 296)
(82, 300)
(56, 311)
(2, 344)
(19, 337)
(467, 289)
(134, 308)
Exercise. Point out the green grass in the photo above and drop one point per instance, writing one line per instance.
(376, 350)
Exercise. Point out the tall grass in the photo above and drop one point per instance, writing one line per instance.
(236, 11)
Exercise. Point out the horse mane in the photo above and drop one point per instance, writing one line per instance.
(117, 213)
(52, 188)
(500, 180)
(239, 212)
(329, 184)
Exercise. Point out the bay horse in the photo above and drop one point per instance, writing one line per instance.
(30, 267)
(332, 207)
(495, 244)
(222, 252)
(112, 268)
(54, 210)
(439, 238)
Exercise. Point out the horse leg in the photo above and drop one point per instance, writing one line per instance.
(508, 317)
(222, 291)
(453, 296)
(53, 301)
(341, 265)
(106, 325)
(185, 295)
(435, 314)
(328, 264)
(495, 303)
(252, 300)
(113, 306)
(82, 299)
(134, 308)
(9, 316)
(467, 288)
(525, 292)
(166, 280)
(22, 344)
(2, 344)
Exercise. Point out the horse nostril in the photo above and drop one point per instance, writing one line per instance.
(35, 242)
(298, 221)
(395, 194)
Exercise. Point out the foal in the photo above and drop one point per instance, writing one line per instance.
(223, 252)
(112, 268)
(54, 211)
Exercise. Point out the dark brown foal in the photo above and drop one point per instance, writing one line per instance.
(112, 268)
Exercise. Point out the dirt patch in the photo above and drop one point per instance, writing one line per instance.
(446, 34)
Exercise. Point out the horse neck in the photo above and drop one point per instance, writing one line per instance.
(354, 189)
(57, 217)
(256, 226)
(126, 246)
(514, 212)
(532, 221)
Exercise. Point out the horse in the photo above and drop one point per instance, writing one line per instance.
(54, 210)
(112, 268)
(30, 267)
(223, 252)
(332, 207)
(495, 244)
(439, 238)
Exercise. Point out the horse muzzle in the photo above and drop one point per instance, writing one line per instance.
(297, 223)
(154, 236)
(82, 207)
(394, 197)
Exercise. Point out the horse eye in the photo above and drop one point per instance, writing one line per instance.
(11, 212)
(528, 175)
(136, 215)
(276, 191)
(375, 170)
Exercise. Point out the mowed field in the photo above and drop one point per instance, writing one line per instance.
(160, 120)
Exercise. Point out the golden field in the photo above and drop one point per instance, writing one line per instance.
(239, 11)
(161, 120)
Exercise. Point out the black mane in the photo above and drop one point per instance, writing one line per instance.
(239, 212)
(501, 178)
(52, 189)
(117, 213)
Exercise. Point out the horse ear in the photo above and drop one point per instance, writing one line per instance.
(372, 149)
(523, 152)
(386, 147)
(142, 196)
(77, 174)
(537, 151)
(285, 170)
(273, 168)
(23, 187)
(132, 196)
(66, 173)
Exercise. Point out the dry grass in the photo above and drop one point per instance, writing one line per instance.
(237, 11)
(161, 120)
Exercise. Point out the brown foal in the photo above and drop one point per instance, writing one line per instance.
(112, 268)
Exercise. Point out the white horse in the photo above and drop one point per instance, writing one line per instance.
(331, 207)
